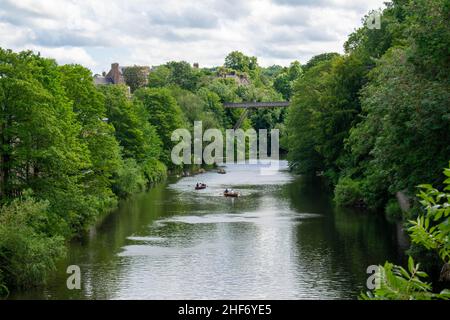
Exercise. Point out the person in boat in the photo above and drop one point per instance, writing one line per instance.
(200, 186)
(226, 190)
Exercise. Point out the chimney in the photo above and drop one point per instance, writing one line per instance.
(115, 73)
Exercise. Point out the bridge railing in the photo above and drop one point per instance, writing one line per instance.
(257, 104)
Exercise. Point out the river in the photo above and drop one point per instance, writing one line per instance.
(282, 239)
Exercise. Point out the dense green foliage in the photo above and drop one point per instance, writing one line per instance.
(70, 150)
(418, 126)
(431, 230)
(104, 153)
(135, 77)
(285, 80)
(162, 112)
(26, 235)
(397, 283)
(238, 61)
(376, 120)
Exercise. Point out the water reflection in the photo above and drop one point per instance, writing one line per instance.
(283, 239)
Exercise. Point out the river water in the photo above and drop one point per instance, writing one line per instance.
(282, 239)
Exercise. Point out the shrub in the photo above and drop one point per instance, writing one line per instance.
(27, 252)
(348, 193)
(396, 283)
(430, 231)
(154, 171)
(129, 179)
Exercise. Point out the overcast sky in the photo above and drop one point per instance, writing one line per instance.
(96, 33)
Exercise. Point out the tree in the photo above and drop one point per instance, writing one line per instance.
(236, 60)
(284, 82)
(226, 90)
(213, 104)
(326, 102)
(41, 148)
(195, 108)
(44, 163)
(141, 144)
(159, 77)
(295, 70)
(89, 106)
(340, 109)
(136, 135)
(429, 31)
(405, 113)
(304, 121)
(318, 59)
(283, 85)
(135, 77)
(183, 75)
(164, 114)
(272, 71)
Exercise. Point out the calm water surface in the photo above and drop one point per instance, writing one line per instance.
(283, 239)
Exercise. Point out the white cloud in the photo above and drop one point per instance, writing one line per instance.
(96, 33)
(66, 55)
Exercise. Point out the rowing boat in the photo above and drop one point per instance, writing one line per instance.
(232, 194)
(200, 186)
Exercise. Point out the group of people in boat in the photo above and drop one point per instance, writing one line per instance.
(200, 186)
(230, 193)
(226, 193)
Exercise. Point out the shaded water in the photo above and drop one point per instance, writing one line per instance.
(282, 239)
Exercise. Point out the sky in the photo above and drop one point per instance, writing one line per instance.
(147, 32)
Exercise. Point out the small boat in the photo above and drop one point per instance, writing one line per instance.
(200, 186)
(221, 171)
(232, 194)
